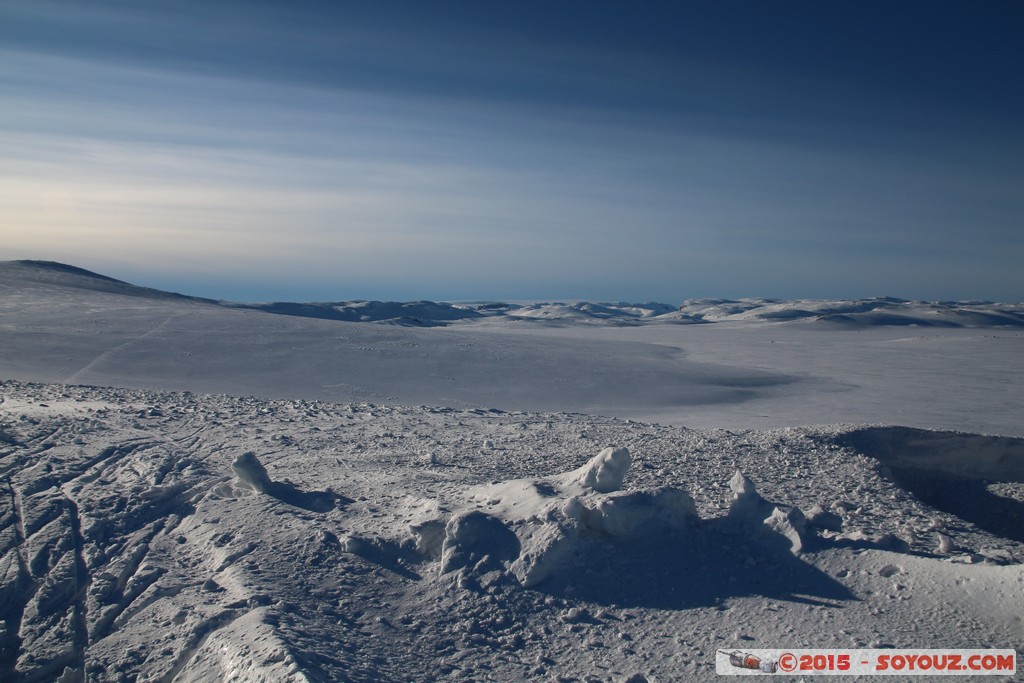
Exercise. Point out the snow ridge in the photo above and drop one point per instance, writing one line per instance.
(877, 311)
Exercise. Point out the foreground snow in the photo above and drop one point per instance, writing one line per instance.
(176, 536)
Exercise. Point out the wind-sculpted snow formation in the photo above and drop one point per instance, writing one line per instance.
(185, 537)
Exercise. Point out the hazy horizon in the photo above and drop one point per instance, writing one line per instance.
(252, 151)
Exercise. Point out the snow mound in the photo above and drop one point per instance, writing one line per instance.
(536, 528)
(623, 513)
(551, 541)
(54, 276)
(605, 471)
(250, 471)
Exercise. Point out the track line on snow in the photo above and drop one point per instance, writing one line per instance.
(16, 609)
(82, 580)
(106, 355)
(199, 637)
(103, 626)
(134, 607)
(106, 458)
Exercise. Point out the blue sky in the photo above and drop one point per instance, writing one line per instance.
(556, 150)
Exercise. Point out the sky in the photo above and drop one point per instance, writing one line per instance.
(566, 149)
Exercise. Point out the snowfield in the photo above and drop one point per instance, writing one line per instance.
(196, 491)
(63, 325)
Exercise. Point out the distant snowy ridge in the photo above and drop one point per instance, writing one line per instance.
(432, 314)
(51, 274)
(873, 311)
(411, 313)
(857, 312)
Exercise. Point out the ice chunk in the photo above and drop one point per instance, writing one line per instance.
(623, 514)
(605, 471)
(945, 544)
(473, 536)
(747, 506)
(428, 537)
(544, 552)
(753, 514)
(249, 470)
(790, 524)
(742, 486)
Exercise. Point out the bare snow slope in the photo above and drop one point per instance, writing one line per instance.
(163, 536)
(56, 328)
(59, 324)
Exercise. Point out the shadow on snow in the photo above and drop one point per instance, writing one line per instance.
(699, 568)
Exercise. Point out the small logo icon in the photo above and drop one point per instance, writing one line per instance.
(744, 660)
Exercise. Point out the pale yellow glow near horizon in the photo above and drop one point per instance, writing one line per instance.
(175, 224)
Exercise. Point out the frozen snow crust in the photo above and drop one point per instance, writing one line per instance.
(176, 536)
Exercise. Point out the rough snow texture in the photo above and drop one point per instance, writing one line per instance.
(131, 550)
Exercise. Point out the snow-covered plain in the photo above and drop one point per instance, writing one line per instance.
(741, 371)
(197, 490)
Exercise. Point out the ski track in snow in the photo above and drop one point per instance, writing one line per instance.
(130, 550)
(110, 354)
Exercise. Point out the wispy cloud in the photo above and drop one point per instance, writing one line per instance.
(473, 160)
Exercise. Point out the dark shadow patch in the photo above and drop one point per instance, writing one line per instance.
(383, 553)
(314, 501)
(969, 500)
(688, 569)
(7, 439)
(950, 471)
